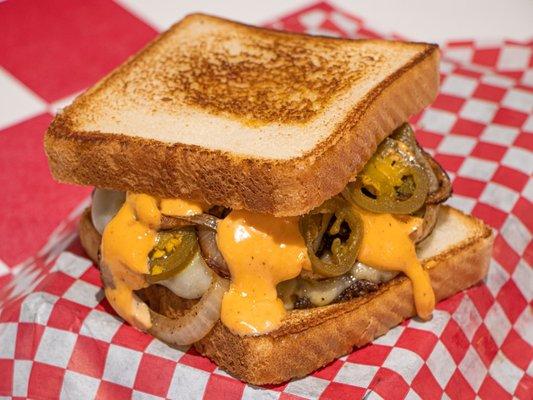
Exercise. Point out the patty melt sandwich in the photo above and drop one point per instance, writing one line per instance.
(260, 195)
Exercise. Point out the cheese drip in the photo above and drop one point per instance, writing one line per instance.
(386, 245)
(126, 243)
(261, 251)
(181, 207)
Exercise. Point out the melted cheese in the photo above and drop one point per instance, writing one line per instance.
(261, 251)
(386, 245)
(127, 240)
(181, 207)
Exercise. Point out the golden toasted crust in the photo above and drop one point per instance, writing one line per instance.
(310, 339)
(306, 77)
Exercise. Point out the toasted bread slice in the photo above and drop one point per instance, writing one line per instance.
(239, 116)
(457, 255)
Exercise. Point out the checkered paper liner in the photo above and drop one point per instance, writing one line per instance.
(60, 338)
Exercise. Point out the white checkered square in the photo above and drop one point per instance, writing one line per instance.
(505, 372)
(461, 54)
(405, 362)
(438, 121)
(523, 325)
(465, 204)
(499, 196)
(497, 323)
(100, 325)
(528, 125)
(457, 145)
(496, 277)
(138, 395)
(259, 393)
(313, 19)
(412, 395)
(467, 317)
(195, 380)
(516, 234)
(160, 349)
(498, 80)
(21, 377)
(478, 110)
(527, 78)
(84, 293)
(71, 265)
(121, 365)
(499, 134)
(356, 374)
(477, 168)
(519, 159)
(458, 85)
(74, 384)
(37, 307)
(308, 387)
(519, 99)
(17, 102)
(528, 190)
(473, 368)
(8, 340)
(441, 364)
(391, 337)
(436, 324)
(55, 347)
(523, 277)
(513, 57)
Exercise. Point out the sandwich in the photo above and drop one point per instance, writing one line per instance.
(260, 195)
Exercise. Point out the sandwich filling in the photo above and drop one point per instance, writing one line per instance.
(249, 269)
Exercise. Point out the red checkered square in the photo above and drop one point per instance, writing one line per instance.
(218, 384)
(455, 341)
(468, 128)
(68, 315)
(194, 359)
(128, 336)
(389, 384)
(511, 178)
(28, 338)
(485, 345)
(109, 390)
(329, 371)
(490, 389)
(506, 116)
(421, 342)
(154, 375)
(491, 215)
(6, 387)
(458, 388)
(512, 300)
(45, 381)
(489, 151)
(74, 42)
(341, 391)
(489, 92)
(425, 384)
(371, 354)
(22, 151)
(88, 357)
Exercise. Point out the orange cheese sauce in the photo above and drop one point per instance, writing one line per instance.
(386, 245)
(127, 240)
(261, 251)
(180, 207)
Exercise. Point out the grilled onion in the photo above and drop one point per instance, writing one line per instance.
(105, 204)
(212, 255)
(196, 322)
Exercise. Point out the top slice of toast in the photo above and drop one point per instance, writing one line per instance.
(240, 116)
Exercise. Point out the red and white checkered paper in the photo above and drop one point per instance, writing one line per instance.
(60, 338)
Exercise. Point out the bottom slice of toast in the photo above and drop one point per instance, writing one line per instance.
(456, 254)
